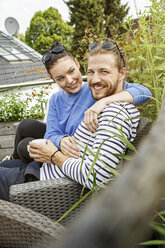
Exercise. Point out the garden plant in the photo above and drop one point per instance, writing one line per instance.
(16, 105)
(144, 45)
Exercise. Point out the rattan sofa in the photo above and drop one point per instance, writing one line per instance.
(54, 197)
(23, 228)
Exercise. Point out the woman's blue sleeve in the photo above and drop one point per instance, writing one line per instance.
(53, 129)
(140, 93)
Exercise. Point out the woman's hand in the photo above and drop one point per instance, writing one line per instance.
(42, 153)
(68, 147)
(90, 119)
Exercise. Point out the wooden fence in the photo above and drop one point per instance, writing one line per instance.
(7, 135)
(120, 217)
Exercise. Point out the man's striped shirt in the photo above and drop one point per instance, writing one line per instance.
(99, 150)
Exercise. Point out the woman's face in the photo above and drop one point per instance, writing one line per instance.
(67, 75)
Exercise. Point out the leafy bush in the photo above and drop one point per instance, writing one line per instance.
(16, 106)
(144, 45)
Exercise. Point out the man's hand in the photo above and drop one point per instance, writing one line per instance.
(68, 147)
(42, 153)
(90, 119)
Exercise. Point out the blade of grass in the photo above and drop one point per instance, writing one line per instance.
(157, 227)
(153, 242)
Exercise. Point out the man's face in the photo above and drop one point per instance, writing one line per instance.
(104, 78)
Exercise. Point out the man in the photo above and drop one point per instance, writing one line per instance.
(98, 151)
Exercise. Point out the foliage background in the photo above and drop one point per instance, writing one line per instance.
(17, 105)
(144, 45)
(143, 39)
(46, 28)
(102, 18)
(94, 19)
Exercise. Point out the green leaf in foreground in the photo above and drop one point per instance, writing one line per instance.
(158, 227)
(153, 242)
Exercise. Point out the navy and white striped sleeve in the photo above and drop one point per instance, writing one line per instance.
(104, 142)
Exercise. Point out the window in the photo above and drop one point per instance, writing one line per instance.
(6, 55)
(12, 54)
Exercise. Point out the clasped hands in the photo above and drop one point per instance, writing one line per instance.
(42, 153)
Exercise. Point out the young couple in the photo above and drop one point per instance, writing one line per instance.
(63, 153)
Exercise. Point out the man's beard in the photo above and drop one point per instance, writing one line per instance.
(111, 91)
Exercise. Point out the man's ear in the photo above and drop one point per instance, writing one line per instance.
(123, 73)
(77, 63)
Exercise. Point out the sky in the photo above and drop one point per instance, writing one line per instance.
(24, 10)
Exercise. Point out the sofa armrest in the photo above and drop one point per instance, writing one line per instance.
(51, 198)
(21, 227)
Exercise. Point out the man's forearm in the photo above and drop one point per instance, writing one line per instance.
(123, 96)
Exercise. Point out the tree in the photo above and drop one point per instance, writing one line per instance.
(86, 16)
(20, 37)
(93, 19)
(114, 13)
(47, 27)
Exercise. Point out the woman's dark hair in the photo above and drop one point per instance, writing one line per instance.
(55, 56)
